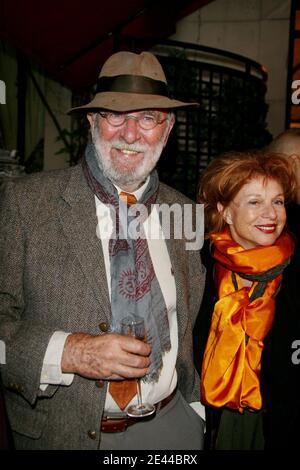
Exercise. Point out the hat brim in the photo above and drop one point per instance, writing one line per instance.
(120, 102)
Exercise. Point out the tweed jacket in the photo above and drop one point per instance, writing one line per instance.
(53, 279)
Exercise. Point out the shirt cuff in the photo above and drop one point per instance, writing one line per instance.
(51, 371)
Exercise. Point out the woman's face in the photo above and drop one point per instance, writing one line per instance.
(257, 214)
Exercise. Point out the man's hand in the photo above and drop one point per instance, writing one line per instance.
(108, 356)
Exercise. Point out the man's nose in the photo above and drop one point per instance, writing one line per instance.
(130, 130)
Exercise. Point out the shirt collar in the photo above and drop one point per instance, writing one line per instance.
(138, 192)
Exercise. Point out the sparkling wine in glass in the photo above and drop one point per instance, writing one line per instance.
(135, 326)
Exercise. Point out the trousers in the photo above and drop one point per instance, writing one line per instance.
(176, 427)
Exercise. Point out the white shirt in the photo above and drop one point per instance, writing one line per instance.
(152, 393)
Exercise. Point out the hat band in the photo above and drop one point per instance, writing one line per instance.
(132, 84)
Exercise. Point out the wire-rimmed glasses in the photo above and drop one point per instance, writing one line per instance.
(147, 120)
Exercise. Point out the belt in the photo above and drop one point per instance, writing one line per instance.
(119, 422)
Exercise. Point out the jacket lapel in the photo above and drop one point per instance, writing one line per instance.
(177, 255)
(79, 222)
(174, 249)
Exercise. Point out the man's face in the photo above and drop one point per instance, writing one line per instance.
(127, 153)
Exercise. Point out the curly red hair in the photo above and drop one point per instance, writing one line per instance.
(227, 174)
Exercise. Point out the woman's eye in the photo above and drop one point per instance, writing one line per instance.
(254, 203)
(279, 202)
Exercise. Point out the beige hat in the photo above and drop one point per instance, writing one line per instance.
(129, 82)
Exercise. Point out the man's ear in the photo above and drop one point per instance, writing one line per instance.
(89, 117)
(225, 212)
(295, 159)
(171, 124)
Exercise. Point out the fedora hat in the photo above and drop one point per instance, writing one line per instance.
(129, 82)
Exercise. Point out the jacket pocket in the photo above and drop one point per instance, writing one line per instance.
(25, 419)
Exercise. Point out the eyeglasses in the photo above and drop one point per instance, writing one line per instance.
(147, 120)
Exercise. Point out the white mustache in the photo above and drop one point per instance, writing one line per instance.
(130, 147)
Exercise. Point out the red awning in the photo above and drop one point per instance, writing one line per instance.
(71, 39)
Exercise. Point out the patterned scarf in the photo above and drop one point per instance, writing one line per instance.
(134, 287)
(241, 319)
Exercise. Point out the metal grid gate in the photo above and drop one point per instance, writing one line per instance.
(231, 91)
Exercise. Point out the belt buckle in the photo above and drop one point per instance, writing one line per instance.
(114, 423)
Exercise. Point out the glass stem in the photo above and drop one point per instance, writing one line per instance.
(139, 392)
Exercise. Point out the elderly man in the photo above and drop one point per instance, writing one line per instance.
(281, 359)
(70, 275)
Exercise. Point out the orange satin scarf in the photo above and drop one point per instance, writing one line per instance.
(231, 364)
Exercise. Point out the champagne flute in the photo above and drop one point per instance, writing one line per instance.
(135, 326)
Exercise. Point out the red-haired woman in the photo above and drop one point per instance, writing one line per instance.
(244, 196)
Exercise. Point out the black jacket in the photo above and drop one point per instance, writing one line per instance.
(280, 376)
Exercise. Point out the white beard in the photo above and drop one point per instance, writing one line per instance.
(125, 177)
